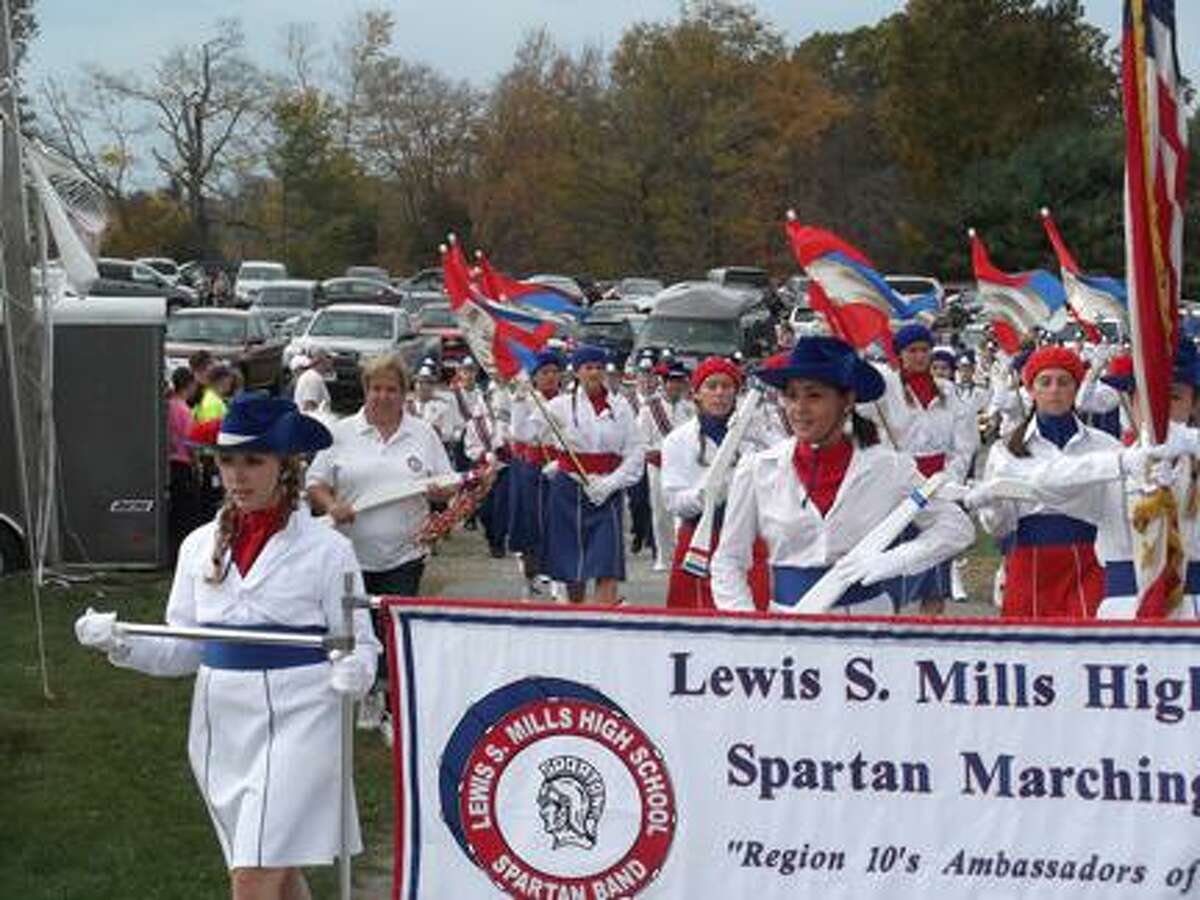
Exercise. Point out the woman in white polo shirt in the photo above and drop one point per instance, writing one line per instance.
(375, 448)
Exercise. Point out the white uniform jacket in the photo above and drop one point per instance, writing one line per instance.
(527, 424)
(767, 499)
(947, 426)
(462, 405)
(1086, 488)
(658, 417)
(685, 466)
(486, 432)
(436, 413)
(613, 431)
(263, 742)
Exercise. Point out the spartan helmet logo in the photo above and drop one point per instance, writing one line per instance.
(570, 801)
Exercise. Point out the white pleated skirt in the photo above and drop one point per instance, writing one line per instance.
(265, 747)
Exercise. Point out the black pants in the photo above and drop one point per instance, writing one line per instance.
(639, 513)
(402, 581)
(182, 506)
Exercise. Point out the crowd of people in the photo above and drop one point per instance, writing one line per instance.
(818, 445)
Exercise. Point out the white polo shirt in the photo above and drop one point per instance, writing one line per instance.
(359, 461)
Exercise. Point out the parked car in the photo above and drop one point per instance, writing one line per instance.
(356, 290)
(636, 290)
(237, 337)
(695, 319)
(375, 273)
(281, 301)
(564, 284)
(137, 273)
(350, 332)
(176, 296)
(425, 280)
(436, 320)
(167, 268)
(606, 326)
(254, 274)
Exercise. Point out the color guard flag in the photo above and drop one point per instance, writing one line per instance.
(1091, 298)
(504, 340)
(1155, 182)
(535, 298)
(1017, 303)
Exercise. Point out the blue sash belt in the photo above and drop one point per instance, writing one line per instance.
(227, 655)
(793, 582)
(1053, 530)
(1119, 580)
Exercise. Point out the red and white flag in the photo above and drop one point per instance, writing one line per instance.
(1155, 183)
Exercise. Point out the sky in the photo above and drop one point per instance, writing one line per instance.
(472, 40)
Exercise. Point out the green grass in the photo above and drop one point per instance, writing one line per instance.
(98, 798)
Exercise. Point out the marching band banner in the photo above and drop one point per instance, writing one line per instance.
(569, 753)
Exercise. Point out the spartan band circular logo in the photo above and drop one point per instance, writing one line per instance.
(551, 789)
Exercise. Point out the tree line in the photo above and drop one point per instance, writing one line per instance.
(679, 150)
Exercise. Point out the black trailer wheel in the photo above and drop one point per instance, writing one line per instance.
(12, 551)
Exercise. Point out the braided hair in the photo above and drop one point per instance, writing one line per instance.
(290, 482)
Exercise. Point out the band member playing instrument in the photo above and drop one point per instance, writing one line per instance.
(813, 497)
(264, 735)
(602, 456)
(687, 453)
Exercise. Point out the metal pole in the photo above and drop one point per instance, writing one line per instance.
(232, 635)
(349, 602)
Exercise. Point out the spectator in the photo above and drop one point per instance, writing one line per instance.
(311, 393)
(182, 507)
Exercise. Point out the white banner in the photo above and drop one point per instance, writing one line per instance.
(570, 753)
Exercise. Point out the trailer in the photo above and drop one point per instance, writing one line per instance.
(109, 418)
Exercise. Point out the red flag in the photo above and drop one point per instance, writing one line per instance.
(1155, 183)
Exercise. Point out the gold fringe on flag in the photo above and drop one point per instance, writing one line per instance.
(1151, 508)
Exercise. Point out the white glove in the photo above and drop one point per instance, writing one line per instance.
(1184, 441)
(1135, 461)
(872, 568)
(550, 469)
(348, 676)
(972, 496)
(599, 489)
(99, 631)
(1162, 474)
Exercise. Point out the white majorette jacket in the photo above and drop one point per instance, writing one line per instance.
(263, 742)
(612, 431)
(947, 427)
(658, 417)
(768, 499)
(685, 468)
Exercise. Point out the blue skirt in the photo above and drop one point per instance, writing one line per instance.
(526, 506)
(582, 541)
(931, 584)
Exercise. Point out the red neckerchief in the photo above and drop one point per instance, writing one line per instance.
(599, 400)
(821, 470)
(922, 386)
(252, 530)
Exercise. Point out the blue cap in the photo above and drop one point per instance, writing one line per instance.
(830, 361)
(257, 422)
(943, 354)
(588, 353)
(548, 357)
(912, 334)
(1187, 365)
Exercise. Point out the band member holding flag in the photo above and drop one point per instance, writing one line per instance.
(813, 497)
(687, 453)
(1051, 569)
(661, 414)
(600, 455)
(532, 440)
(264, 733)
(926, 419)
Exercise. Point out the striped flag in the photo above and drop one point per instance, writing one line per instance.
(1016, 303)
(1091, 298)
(1155, 181)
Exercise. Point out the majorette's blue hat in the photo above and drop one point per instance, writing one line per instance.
(548, 357)
(257, 422)
(943, 354)
(676, 369)
(588, 353)
(912, 334)
(830, 361)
